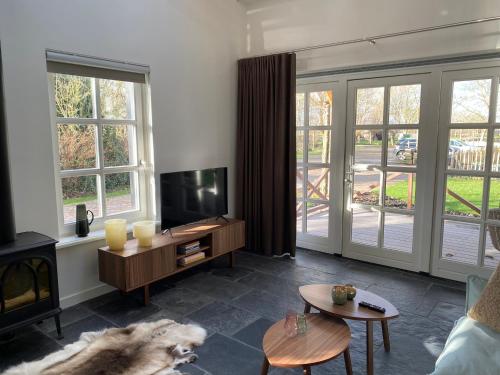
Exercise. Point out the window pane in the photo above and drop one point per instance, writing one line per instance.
(78, 190)
(299, 218)
(121, 194)
(464, 196)
(492, 246)
(299, 184)
(404, 104)
(467, 149)
(300, 146)
(73, 96)
(494, 199)
(495, 157)
(366, 188)
(318, 183)
(320, 108)
(460, 242)
(77, 146)
(370, 106)
(400, 190)
(318, 149)
(402, 147)
(398, 232)
(498, 105)
(365, 226)
(471, 101)
(119, 145)
(317, 219)
(368, 147)
(300, 109)
(117, 99)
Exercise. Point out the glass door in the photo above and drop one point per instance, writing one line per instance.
(315, 108)
(467, 225)
(389, 162)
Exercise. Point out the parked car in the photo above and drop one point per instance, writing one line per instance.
(406, 148)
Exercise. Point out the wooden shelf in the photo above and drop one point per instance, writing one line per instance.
(198, 262)
(202, 248)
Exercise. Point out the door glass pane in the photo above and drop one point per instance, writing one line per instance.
(300, 109)
(402, 147)
(366, 187)
(299, 217)
(121, 192)
(460, 242)
(300, 146)
(492, 246)
(404, 107)
(398, 232)
(74, 96)
(467, 149)
(400, 190)
(320, 108)
(471, 101)
(364, 226)
(368, 147)
(300, 183)
(77, 146)
(319, 146)
(317, 219)
(370, 106)
(119, 145)
(318, 183)
(495, 157)
(464, 195)
(78, 190)
(117, 99)
(494, 199)
(498, 105)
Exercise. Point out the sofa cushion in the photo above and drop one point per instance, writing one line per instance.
(475, 286)
(487, 308)
(471, 348)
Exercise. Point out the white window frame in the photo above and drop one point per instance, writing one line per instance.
(143, 167)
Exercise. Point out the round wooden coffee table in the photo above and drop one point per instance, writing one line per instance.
(319, 296)
(325, 339)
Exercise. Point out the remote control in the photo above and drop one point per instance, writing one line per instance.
(372, 307)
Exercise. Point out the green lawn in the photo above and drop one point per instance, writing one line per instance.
(468, 188)
(87, 198)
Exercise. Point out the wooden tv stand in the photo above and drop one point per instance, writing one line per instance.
(137, 267)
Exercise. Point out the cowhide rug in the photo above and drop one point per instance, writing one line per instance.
(140, 349)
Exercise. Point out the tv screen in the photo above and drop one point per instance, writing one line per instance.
(191, 196)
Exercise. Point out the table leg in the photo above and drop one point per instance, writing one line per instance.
(231, 259)
(385, 333)
(369, 347)
(347, 360)
(146, 295)
(265, 367)
(307, 308)
(307, 370)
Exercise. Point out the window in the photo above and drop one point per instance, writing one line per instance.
(101, 146)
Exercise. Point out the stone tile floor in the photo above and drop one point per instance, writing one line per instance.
(237, 305)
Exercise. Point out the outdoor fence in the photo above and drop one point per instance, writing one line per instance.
(474, 160)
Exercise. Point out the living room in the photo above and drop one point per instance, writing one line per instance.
(340, 152)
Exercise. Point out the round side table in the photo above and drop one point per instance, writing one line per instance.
(319, 296)
(325, 339)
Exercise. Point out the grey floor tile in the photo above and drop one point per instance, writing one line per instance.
(232, 274)
(73, 331)
(191, 369)
(68, 316)
(446, 294)
(254, 333)
(125, 311)
(446, 314)
(280, 287)
(264, 264)
(181, 301)
(213, 286)
(219, 317)
(221, 355)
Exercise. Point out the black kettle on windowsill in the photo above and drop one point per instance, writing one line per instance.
(82, 220)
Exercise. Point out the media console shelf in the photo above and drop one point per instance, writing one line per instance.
(137, 267)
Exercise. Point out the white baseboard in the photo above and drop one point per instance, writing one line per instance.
(84, 295)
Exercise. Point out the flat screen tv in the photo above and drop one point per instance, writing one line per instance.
(191, 196)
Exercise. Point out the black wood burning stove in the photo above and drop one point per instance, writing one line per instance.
(28, 267)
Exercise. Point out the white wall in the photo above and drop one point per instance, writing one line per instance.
(191, 46)
(276, 25)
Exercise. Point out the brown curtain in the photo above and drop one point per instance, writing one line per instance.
(266, 162)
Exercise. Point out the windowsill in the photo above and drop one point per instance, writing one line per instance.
(93, 236)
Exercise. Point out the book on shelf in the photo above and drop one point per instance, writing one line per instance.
(191, 259)
(188, 247)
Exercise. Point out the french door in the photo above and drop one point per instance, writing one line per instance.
(388, 170)
(467, 213)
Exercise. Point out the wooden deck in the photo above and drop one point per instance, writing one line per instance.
(461, 240)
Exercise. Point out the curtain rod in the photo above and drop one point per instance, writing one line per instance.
(372, 39)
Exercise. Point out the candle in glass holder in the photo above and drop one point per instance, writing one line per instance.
(144, 232)
(116, 233)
